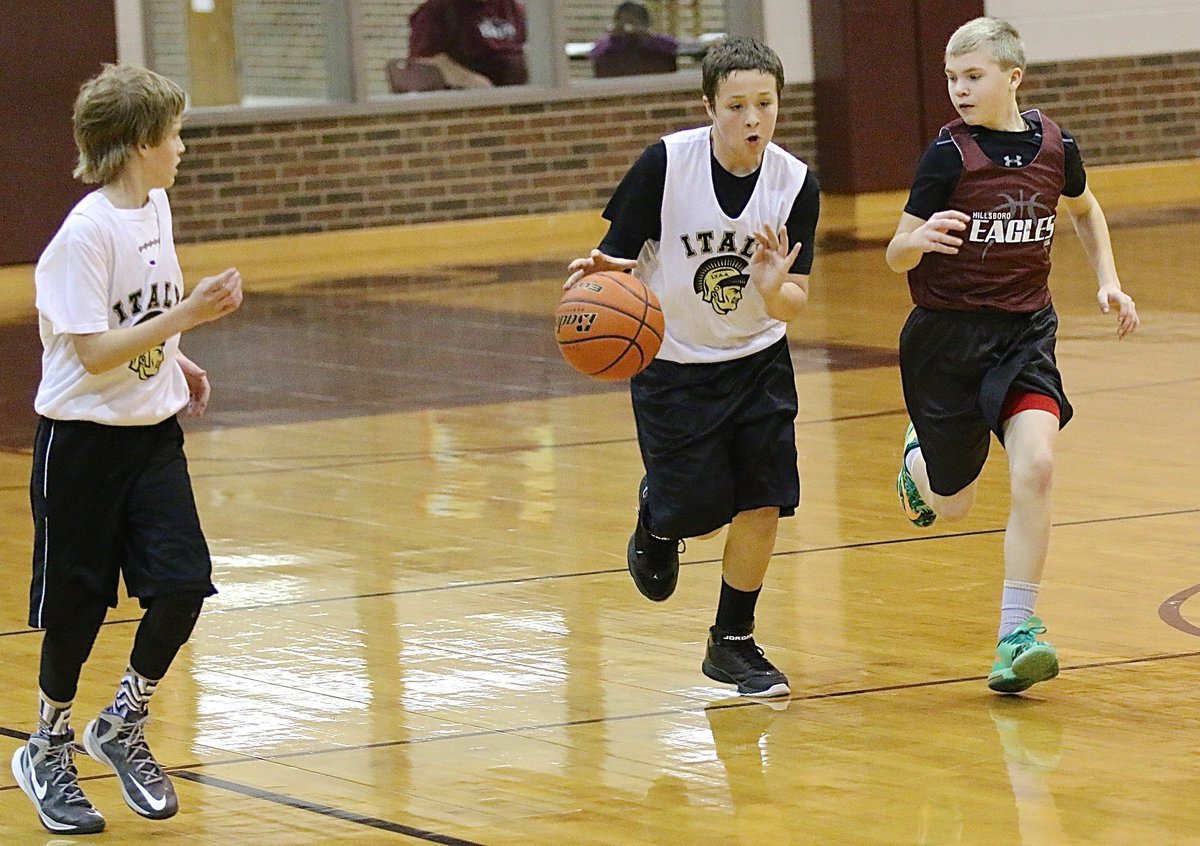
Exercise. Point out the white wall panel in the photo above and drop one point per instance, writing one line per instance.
(788, 25)
(1063, 30)
(130, 42)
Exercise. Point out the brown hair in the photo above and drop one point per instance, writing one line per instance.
(735, 54)
(116, 110)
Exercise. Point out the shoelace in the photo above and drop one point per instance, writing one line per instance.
(1026, 636)
(1023, 639)
(58, 756)
(138, 752)
(752, 654)
(680, 545)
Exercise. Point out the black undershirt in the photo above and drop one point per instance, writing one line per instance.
(634, 212)
(941, 165)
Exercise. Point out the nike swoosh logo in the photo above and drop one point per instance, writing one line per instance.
(39, 789)
(156, 803)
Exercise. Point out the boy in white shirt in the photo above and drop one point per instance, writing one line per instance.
(110, 489)
(719, 223)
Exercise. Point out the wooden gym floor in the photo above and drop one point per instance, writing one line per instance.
(426, 632)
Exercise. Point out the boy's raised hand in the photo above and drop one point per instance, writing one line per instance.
(216, 296)
(934, 235)
(595, 263)
(772, 259)
(1111, 295)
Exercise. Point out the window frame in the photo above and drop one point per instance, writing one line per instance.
(346, 66)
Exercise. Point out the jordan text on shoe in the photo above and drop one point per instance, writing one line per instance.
(120, 744)
(45, 770)
(734, 658)
(1022, 660)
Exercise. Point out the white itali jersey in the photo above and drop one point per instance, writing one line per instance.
(109, 268)
(698, 269)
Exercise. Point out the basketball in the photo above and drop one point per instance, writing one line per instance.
(608, 325)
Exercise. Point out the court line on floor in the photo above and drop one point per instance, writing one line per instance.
(318, 808)
(186, 772)
(286, 800)
(1169, 612)
(516, 580)
(398, 458)
(660, 712)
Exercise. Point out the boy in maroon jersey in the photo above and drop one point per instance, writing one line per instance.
(977, 352)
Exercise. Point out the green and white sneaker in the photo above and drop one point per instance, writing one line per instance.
(1022, 660)
(906, 486)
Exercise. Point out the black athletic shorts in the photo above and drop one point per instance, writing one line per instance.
(717, 439)
(957, 368)
(111, 500)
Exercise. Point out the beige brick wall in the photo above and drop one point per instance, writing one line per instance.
(315, 175)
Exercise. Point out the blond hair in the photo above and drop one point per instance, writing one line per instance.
(118, 109)
(998, 37)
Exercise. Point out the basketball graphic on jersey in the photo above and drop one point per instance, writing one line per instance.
(1017, 220)
(720, 280)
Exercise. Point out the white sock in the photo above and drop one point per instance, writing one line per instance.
(1016, 605)
(910, 457)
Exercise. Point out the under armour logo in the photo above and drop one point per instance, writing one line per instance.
(1013, 161)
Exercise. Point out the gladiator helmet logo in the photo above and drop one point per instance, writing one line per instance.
(149, 363)
(720, 280)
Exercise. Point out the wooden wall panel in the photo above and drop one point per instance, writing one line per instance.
(876, 66)
(48, 48)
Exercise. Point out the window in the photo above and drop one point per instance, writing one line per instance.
(231, 53)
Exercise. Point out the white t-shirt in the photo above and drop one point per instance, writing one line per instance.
(698, 269)
(109, 268)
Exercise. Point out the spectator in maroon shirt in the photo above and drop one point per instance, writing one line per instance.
(630, 32)
(474, 43)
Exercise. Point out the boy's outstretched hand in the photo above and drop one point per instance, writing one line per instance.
(772, 259)
(934, 235)
(215, 296)
(595, 263)
(1111, 295)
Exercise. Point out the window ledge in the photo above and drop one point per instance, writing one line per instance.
(686, 82)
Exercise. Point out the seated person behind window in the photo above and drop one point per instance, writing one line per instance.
(474, 43)
(630, 47)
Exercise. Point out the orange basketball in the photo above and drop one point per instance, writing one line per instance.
(608, 325)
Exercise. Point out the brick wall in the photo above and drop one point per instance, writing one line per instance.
(312, 175)
(567, 154)
(1132, 109)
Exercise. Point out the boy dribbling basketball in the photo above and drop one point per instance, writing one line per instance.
(110, 489)
(977, 352)
(720, 223)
